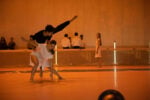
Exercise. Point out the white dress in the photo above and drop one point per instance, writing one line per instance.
(43, 55)
(98, 50)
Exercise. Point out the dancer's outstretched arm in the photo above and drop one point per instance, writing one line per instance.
(34, 43)
(73, 18)
(63, 25)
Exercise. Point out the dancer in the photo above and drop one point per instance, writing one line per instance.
(38, 61)
(98, 49)
(51, 47)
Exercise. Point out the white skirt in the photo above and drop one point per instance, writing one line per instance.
(42, 55)
(98, 53)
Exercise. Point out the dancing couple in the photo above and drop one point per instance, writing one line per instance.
(43, 49)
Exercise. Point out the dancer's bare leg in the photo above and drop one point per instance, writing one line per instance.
(52, 70)
(36, 63)
(99, 61)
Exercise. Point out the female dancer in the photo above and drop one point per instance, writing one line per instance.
(98, 48)
(38, 61)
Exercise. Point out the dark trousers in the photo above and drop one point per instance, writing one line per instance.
(76, 47)
(65, 47)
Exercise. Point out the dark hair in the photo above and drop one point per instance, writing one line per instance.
(99, 34)
(53, 42)
(116, 95)
(66, 35)
(81, 36)
(49, 28)
(76, 33)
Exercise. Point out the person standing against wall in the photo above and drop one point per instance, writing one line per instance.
(98, 54)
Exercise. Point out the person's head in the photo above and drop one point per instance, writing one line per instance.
(81, 37)
(51, 46)
(76, 34)
(66, 35)
(111, 95)
(49, 30)
(3, 40)
(98, 35)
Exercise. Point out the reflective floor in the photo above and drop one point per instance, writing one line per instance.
(80, 83)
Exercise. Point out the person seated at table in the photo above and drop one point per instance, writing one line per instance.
(65, 42)
(82, 45)
(11, 44)
(3, 43)
(76, 41)
(70, 39)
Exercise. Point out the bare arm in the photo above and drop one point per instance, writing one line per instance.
(34, 43)
(63, 25)
(73, 18)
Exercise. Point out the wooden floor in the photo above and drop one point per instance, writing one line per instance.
(80, 83)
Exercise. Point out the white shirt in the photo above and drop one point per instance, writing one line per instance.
(76, 41)
(65, 42)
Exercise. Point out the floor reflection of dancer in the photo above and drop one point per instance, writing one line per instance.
(98, 55)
